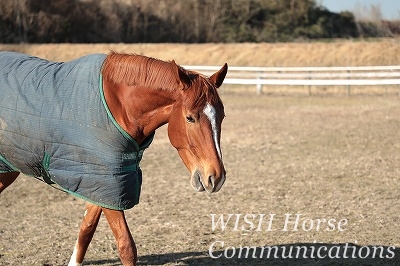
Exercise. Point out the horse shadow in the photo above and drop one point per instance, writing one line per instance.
(296, 254)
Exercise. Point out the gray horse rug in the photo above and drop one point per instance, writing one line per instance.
(55, 125)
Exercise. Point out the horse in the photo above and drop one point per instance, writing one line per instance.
(82, 126)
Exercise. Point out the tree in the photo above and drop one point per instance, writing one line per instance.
(189, 21)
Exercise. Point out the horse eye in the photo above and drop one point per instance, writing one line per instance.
(190, 119)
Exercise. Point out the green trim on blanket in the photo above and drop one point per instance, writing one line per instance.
(45, 170)
(9, 165)
(89, 200)
(120, 129)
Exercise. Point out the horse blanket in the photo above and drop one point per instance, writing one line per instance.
(55, 125)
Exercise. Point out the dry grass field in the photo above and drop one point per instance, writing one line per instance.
(335, 53)
(320, 158)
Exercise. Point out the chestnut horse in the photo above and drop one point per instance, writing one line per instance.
(138, 95)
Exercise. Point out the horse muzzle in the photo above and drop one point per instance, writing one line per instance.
(210, 184)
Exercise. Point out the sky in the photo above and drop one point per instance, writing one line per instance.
(390, 8)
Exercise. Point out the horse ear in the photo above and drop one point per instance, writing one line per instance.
(181, 76)
(218, 77)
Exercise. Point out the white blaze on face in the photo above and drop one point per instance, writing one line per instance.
(211, 114)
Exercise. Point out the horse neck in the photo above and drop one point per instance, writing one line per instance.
(137, 109)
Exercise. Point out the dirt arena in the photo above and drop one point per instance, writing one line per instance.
(310, 180)
(331, 162)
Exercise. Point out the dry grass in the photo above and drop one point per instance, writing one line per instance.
(336, 53)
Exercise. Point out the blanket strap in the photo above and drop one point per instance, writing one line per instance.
(8, 164)
(45, 169)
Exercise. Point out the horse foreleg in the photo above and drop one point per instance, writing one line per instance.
(88, 227)
(126, 245)
(6, 179)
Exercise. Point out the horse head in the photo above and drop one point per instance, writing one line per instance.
(194, 127)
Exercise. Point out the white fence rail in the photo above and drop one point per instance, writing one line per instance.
(308, 76)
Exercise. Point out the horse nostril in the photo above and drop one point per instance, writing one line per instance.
(211, 180)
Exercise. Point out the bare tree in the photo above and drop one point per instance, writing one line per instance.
(369, 21)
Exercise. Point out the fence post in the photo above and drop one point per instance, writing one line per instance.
(259, 85)
(348, 86)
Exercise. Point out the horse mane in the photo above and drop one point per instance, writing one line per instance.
(133, 69)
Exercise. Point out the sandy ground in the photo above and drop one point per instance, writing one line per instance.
(332, 161)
